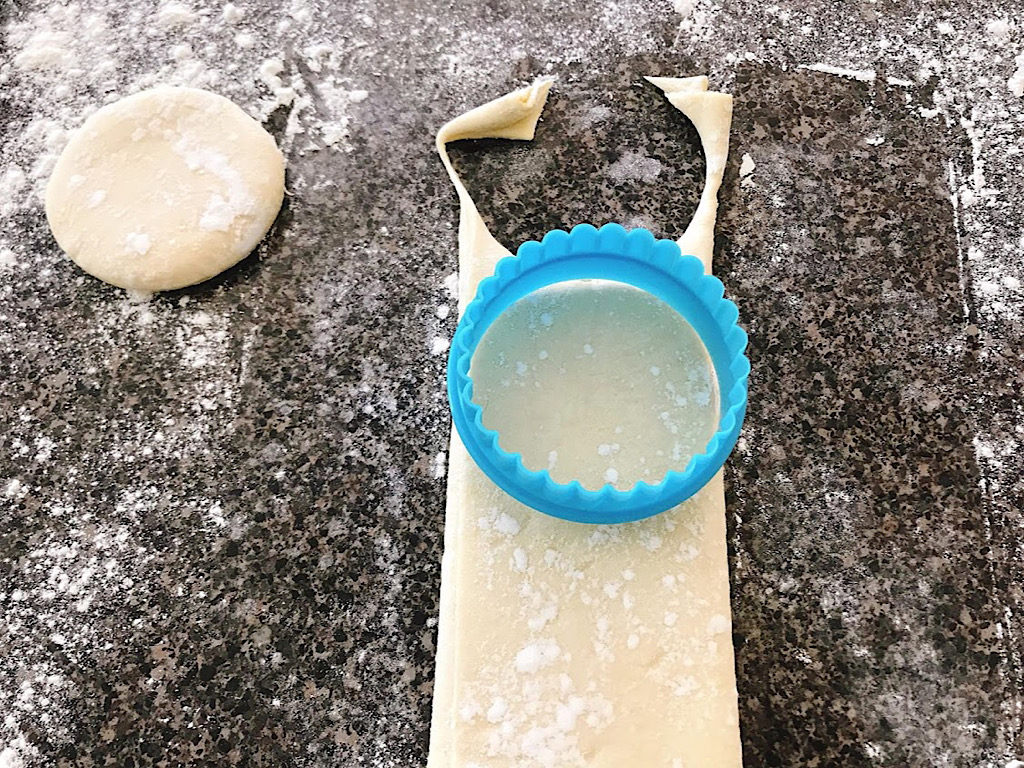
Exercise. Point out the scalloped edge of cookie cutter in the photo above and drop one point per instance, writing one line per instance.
(636, 258)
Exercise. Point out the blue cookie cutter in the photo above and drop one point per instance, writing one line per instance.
(638, 259)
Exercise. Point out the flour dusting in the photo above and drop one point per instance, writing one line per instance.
(635, 166)
(98, 542)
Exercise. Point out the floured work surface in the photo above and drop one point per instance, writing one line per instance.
(875, 582)
(569, 645)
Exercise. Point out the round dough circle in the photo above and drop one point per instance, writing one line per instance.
(165, 189)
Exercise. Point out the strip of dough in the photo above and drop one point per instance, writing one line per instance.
(561, 644)
(711, 114)
(513, 116)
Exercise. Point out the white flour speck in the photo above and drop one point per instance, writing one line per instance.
(437, 466)
(137, 243)
(635, 166)
(864, 75)
(175, 15)
(747, 167)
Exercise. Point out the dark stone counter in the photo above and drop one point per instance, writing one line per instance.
(220, 510)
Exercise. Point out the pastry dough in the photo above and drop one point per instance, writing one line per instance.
(562, 644)
(534, 371)
(165, 189)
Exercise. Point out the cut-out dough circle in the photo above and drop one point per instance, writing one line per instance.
(165, 189)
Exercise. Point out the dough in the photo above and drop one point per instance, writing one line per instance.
(535, 370)
(513, 116)
(711, 114)
(561, 644)
(165, 189)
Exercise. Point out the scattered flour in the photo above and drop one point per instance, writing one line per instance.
(1016, 81)
(998, 31)
(864, 75)
(451, 285)
(635, 166)
(173, 15)
(684, 7)
(534, 657)
(438, 465)
(58, 57)
(232, 14)
(746, 169)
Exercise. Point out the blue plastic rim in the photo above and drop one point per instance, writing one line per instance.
(636, 258)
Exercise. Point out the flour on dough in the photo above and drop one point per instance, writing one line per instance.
(165, 189)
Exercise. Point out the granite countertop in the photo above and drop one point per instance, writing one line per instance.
(221, 508)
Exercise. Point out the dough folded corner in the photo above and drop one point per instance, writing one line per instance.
(512, 116)
(711, 114)
(679, 84)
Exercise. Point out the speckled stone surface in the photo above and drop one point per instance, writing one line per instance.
(220, 510)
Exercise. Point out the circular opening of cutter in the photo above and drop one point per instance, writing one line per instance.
(596, 381)
(604, 360)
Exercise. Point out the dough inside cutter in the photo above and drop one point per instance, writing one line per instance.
(596, 381)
